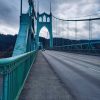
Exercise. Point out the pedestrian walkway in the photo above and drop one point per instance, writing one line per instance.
(43, 83)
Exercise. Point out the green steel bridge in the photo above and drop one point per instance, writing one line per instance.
(62, 72)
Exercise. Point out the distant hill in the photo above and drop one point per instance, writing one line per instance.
(62, 41)
(7, 43)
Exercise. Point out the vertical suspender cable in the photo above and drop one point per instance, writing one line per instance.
(65, 34)
(56, 31)
(68, 29)
(89, 30)
(89, 34)
(61, 34)
(76, 30)
(68, 32)
(53, 31)
(75, 34)
(59, 31)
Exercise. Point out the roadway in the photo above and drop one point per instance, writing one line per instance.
(79, 73)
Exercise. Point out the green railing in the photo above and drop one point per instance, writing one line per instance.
(14, 72)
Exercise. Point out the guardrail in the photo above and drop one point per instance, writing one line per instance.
(14, 72)
(89, 47)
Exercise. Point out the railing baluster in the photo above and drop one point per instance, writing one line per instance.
(14, 72)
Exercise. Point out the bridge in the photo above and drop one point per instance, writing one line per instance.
(67, 69)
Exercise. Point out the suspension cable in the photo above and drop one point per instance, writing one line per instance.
(97, 18)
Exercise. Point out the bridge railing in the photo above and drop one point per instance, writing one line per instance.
(13, 73)
(87, 47)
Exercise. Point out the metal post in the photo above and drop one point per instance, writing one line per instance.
(5, 87)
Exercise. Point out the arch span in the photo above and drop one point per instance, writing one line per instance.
(44, 32)
(46, 24)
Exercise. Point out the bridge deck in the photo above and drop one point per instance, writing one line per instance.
(43, 83)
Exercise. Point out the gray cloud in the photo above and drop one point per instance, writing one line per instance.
(9, 14)
(10, 11)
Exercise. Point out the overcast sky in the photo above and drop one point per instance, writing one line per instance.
(66, 9)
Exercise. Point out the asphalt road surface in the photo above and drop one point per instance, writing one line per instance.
(79, 73)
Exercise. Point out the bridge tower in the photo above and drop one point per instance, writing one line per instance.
(44, 20)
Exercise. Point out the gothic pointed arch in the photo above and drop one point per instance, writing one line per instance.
(47, 23)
